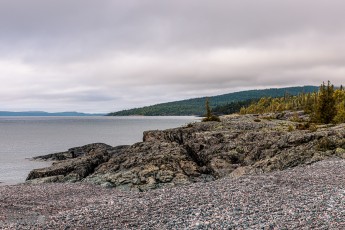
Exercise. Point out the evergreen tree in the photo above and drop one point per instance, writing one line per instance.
(209, 115)
(325, 106)
(340, 116)
(325, 109)
(208, 109)
(308, 107)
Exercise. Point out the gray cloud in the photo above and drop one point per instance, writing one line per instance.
(108, 55)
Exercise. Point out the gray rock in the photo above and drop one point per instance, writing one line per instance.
(73, 152)
(200, 152)
(77, 168)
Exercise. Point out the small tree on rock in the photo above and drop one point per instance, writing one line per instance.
(209, 115)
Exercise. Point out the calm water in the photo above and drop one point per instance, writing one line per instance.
(25, 137)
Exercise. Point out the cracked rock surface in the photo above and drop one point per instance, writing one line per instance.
(198, 152)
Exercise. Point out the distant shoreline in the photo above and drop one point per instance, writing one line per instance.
(47, 114)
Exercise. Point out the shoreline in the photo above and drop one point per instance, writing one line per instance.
(302, 197)
(197, 152)
(302, 186)
(43, 133)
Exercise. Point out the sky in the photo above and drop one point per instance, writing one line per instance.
(109, 55)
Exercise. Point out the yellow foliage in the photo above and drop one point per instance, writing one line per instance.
(340, 116)
(310, 103)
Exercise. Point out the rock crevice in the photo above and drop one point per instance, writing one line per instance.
(199, 152)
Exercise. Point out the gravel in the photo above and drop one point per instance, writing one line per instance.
(300, 198)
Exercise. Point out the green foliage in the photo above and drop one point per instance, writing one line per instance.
(196, 107)
(233, 107)
(313, 128)
(211, 118)
(303, 126)
(209, 115)
(269, 104)
(325, 106)
(340, 116)
(325, 144)
(306, 126)
(208, 109)
(339, 96)
(296, 118)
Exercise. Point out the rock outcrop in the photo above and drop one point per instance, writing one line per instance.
(73, 152)
(199, 152)
(74, 164)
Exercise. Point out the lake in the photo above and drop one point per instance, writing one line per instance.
(24, 137)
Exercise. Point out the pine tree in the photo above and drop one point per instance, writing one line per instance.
(208, 109)
(325, 109)
(325, 106)
(340, 116)
(308, 107)
(209, 115)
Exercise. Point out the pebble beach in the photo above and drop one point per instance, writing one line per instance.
(305, 197)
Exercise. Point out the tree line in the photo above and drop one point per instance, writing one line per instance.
(325, 106)
(221, 104)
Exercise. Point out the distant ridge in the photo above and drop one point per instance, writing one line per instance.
(196, 106)
(46, 114)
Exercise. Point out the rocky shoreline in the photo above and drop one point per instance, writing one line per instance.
(304, 197)
(199, 152)
(271, 171)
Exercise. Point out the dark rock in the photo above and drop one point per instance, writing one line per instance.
(73, 152)
(200, 152)
(87, 160)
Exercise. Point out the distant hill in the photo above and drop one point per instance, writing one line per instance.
(233, 107)
(46, 114)
(196, 106)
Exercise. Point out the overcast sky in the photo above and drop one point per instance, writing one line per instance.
(108, 55)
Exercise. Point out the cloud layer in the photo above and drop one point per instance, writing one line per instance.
(102, 56)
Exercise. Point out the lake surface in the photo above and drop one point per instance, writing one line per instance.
(25, 137)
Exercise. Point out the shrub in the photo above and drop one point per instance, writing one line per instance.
(325, 144)
(296, 118)
(211, 118)
(303, 126)
(313, 128)
(307, 126)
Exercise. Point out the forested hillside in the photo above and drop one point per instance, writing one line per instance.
(233, 107)
(196, 106)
